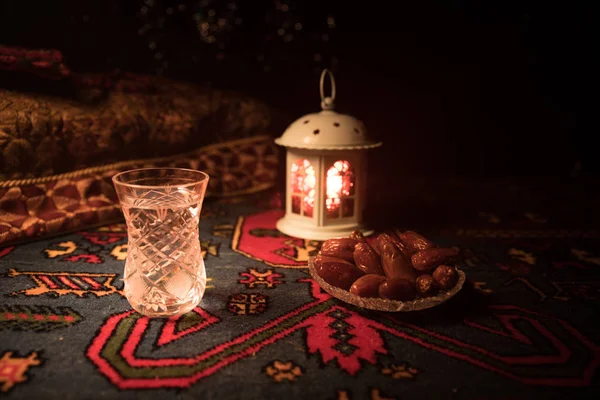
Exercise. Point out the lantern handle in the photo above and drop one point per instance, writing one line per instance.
(327, 103)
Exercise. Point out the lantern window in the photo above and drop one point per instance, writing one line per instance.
(303, 181)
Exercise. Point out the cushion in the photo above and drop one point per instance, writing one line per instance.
(60, 148)
(139, 117)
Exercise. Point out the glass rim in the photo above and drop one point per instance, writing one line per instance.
(203, 176)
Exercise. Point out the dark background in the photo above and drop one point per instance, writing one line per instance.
(459, 88)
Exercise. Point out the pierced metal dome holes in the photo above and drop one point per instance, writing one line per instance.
(357, 131)
(336, 124)
(306, 121)
(316, 131)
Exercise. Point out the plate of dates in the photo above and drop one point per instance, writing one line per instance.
(403, 272)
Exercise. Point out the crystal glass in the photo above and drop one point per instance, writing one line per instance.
(164, 270)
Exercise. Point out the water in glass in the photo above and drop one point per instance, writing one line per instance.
(164, 271)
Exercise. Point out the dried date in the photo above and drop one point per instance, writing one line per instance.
(339, 248)
(367, 285)
(415, 242)
(425, 285)
(405, 250)
(358, 236)
(375, 244)
(397, 289)
(395, 264)
(380, 239)
(427, 260)
(367, 260)
(445, 277)
(336, 272)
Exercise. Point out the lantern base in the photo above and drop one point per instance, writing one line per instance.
(310, 232)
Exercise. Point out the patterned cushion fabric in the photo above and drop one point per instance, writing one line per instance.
(37, 207)
(137, 118)
(59, 152)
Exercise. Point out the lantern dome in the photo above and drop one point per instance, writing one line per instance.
(327, 130)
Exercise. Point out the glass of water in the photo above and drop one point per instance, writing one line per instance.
(164, 270)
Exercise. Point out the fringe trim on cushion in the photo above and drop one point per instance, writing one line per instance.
(39, 207)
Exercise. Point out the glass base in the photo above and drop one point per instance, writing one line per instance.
(168, 310)
(164, 305)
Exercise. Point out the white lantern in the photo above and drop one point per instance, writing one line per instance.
(326, 172)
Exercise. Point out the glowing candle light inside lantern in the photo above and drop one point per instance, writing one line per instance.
(340, 183)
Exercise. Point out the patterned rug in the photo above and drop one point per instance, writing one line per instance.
(525, 325)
